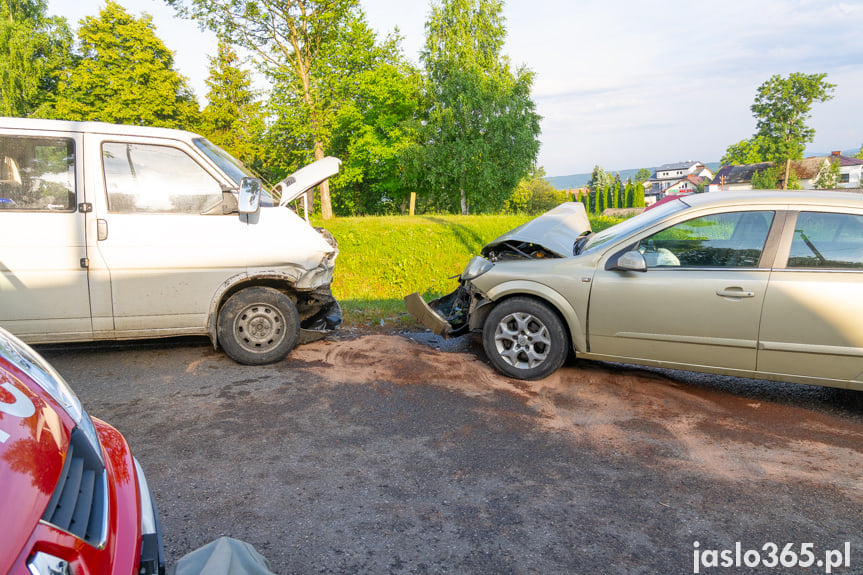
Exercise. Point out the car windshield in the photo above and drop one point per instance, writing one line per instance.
(643, 220)
(230, 165)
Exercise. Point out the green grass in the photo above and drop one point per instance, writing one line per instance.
(382, 259)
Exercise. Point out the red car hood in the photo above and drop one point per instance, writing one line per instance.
(34, 438)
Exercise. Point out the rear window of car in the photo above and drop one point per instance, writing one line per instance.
(827, 241)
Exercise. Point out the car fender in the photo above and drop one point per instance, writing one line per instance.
(539, 291)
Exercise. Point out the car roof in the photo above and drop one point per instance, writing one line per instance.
(778, 197)
(94, 128)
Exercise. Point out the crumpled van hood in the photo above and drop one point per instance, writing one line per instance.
(306, 178)
(556, 230)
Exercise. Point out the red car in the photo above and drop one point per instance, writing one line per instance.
(73, 499)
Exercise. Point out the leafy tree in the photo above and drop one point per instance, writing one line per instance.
(534, 195)
(124, 74)
(478, 137)
(828, 176)
(782, 107)
(34, 48)
(234, 115)
(859, 154)
(286, 36)
(749, 151)
(629, 194)
(642, 175)
(601, 196)
(372, 95)
(638, 196)
(599, 179)
(771, 179)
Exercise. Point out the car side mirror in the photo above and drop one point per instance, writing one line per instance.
(250, 196)
(631, 261)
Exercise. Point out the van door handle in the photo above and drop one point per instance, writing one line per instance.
(735, 292)
(101, 230)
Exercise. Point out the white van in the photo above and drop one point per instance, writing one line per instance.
(123, 232)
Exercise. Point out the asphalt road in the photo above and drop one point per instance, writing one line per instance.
(380, 454)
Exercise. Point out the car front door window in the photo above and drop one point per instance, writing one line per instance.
(734, 239)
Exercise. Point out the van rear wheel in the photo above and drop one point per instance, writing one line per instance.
(258, 325)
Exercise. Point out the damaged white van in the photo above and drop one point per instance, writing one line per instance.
(122, 232)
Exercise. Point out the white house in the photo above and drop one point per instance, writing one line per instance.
(850, 171)
(672, 179)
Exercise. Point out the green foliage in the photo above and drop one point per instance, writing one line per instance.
(534, 195)
(750, 151)
(34, 48)
(376, 94)
(479, 129)
(234, 116)
(599, 179)
(288, 37)
(771, 178)
(124, 75)
(638, 196)
(642, 175)
(767, 179)
(782, 106)
(859, 154)
(828, 176)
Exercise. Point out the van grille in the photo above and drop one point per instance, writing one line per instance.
(79, 503)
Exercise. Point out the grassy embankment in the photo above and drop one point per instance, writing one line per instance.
(382, 259)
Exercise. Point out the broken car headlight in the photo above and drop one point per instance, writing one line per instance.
(477, 266)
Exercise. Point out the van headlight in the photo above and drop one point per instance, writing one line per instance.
(477, 266)
(27, 360)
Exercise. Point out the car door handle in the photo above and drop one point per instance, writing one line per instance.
(101, 230)
(735, 293)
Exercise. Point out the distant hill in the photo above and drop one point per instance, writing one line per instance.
(580, 180)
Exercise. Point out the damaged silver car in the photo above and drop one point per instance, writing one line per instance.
(755, 284)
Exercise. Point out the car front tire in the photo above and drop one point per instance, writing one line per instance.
(258, 325)
(525, 339)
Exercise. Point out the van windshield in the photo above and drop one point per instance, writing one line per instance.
(233, 167)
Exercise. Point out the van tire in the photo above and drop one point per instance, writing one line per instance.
(258, 325)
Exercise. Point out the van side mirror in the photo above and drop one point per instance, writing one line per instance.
(250, 196)
(631, 261)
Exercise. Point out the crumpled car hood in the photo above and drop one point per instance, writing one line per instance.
(556, 230)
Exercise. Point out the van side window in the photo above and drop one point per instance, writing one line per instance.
(829, 241)
(156, 179)
(37, 174)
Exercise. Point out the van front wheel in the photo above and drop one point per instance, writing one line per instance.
(258, 325)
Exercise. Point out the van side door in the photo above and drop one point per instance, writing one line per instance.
(43, 251)
(164, 238)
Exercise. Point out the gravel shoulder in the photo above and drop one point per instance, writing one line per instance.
(398, 453)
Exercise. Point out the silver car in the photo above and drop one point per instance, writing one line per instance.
(754, 284)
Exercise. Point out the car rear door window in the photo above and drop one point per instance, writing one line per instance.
(827, 241)
(734, 239)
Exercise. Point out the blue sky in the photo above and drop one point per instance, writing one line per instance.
(625, 83)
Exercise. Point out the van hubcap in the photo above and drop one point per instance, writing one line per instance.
(260, 327)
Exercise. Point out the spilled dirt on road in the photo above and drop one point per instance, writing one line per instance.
(626, 410)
